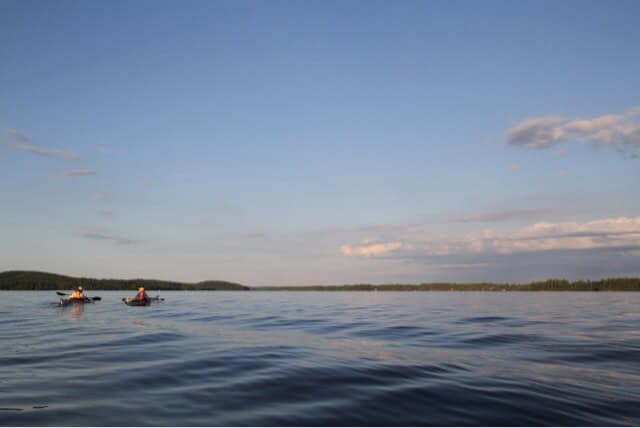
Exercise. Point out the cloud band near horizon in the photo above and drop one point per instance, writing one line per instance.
(620, 232)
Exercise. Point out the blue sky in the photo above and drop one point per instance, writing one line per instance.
(320, 142)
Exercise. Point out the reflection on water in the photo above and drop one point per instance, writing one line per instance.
(74, 310)
(225, 358)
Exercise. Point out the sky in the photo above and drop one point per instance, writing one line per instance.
(320, 142)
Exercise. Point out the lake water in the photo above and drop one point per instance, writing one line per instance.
(322, 358)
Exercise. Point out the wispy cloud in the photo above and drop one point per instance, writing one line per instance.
(106, 213)
(43, 151)
(255, 235)
(608, 232)
(79, 172)
(369, 248)
(146, 182)
(98, 236)
(17, 135)
(503, 215)
(616, 131)
(24, 145)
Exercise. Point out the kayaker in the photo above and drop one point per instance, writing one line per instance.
(77, 294)
(142, 295)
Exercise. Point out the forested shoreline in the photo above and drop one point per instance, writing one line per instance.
(32, 280)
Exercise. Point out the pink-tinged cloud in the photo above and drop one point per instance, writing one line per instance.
(106, 213)
(369, 249)
(78, 172)
(616, 131)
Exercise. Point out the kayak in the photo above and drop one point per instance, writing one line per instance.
(129, 301)
(75, 300)
(67, 302)
(136, 302)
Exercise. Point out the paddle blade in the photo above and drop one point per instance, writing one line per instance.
(60, 293)
(97, 299)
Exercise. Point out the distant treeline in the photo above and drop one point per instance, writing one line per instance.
(28, 280)
(610, 284)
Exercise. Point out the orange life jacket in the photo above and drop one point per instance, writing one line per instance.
(76, 295)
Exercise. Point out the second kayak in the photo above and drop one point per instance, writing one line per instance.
(141, 302)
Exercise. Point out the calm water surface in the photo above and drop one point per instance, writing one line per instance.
(307, 358)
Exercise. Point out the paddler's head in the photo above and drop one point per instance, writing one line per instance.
(140, 289)
(79, 288)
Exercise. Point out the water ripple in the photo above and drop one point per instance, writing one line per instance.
(319, 359)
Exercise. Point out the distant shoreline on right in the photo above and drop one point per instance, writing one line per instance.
(609, 284)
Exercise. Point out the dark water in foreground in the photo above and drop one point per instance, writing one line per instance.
(306, 358)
